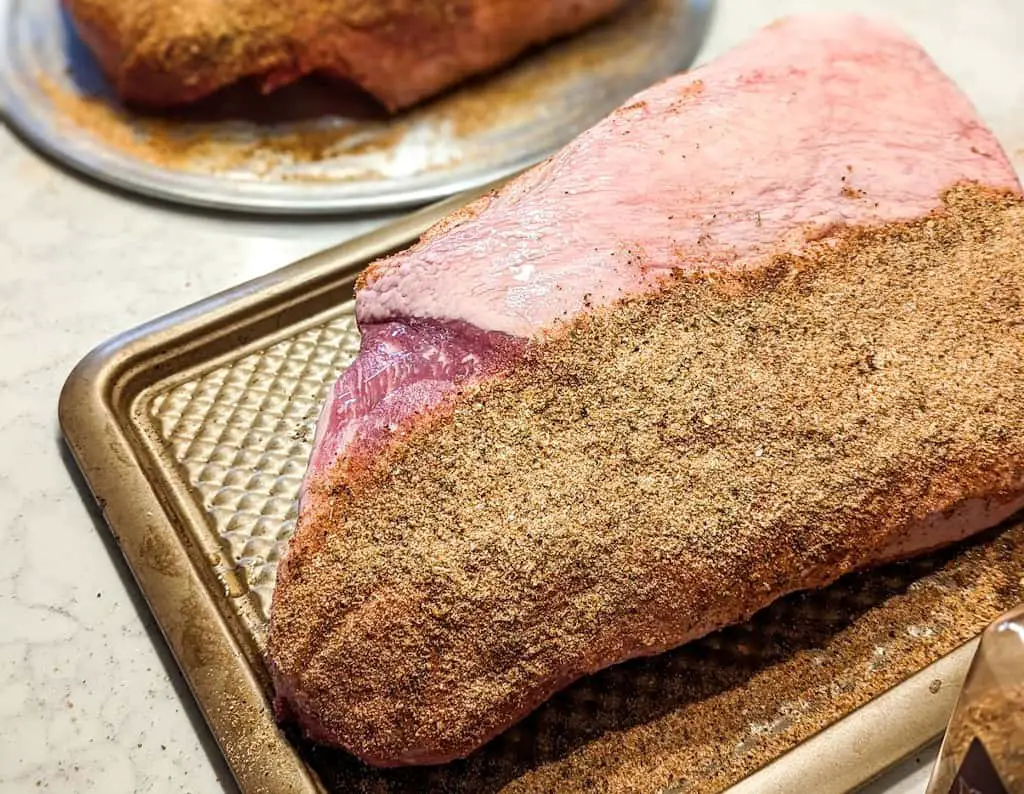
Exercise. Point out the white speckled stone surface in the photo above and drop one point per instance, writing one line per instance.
(90, 700)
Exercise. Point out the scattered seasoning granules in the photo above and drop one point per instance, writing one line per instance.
(699, 719)
(209, 148)
(213, 148)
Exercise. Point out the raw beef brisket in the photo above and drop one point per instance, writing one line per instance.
(753, 331)
(401, 51)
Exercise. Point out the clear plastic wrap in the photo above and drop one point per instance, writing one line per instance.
(983, 750)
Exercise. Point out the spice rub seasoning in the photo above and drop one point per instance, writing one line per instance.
(701, 718)
(657, 469)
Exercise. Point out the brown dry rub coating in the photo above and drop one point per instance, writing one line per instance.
(702, 717)
(401, 51)
(677, 461)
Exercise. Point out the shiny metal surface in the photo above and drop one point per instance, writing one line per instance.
(55, 97)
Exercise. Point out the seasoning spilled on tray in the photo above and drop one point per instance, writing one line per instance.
(213, 148)
(369, 145)
(703, 717)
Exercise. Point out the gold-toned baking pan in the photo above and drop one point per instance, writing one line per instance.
(193, 433)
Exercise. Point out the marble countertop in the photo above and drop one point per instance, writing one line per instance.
(90, 698)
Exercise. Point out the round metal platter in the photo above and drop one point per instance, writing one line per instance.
(319, 147)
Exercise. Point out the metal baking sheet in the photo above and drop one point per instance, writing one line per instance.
(193, 433)
(316, 147)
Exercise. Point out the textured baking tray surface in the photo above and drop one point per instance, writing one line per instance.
(697, 719)
(242, 434)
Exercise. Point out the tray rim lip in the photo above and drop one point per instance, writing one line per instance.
(131, 505)
(87, 406)
(257, 198)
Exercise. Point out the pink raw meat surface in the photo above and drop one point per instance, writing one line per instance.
(813, 123)
(401, 367)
